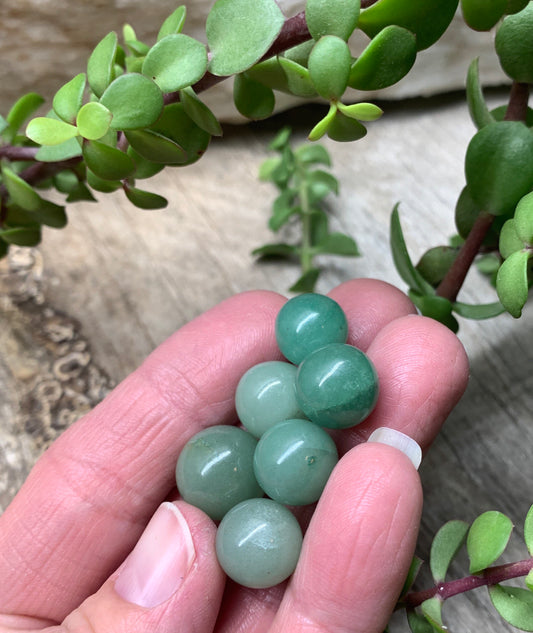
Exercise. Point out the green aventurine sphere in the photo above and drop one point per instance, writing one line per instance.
(337, 386)
(214, 471)
(293, 461)
(258, 543)
(308, 322)
(266, 394)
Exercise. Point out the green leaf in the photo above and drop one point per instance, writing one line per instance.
(282, 210)
(63, 151)
(46, 131)
(134, 100)
(3, 125)
(270, 73)
(338, 244)
(93, 120)
(482, 15)
(428, 20)
(278, 250)
(173, 24)
(20, 191)
(51, 214)
(414, 568)
(512, 282)
(320, 184)
(81, 193)
(108, 163)
(329, 66)
(387, 59)
(435, 263)
(529, 580)
(252, 99)
(332, 17)
(268, 167)
(175, 62)
(69, 98)
(435, 307)
(22, 236)
(344, 129)
(145, 199)
(446, 544)
(307, 282)
(514, 604)
(477, 106)
(401, 258)
(176, 125)
(432, 610)
(528, 530)
(99, 184)
(523, 219)
(514, 6)
(101, 62)
(4, 248)
(240, 32)
(297, 78)
(300, 53)
(361, 111)
(487, 539)
(156, 147)
(478, 312)
(312, 154)
(499, 166)
(510, 242)
(20, 111)
(514, 45)
(418, 623)
(143, 167)
(199, 112)
(319, 229)
(322, 126)
(281, 141)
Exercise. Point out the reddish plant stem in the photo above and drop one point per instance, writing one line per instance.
(491, 576)
(16, 153)
(451, 284)
(453, 281)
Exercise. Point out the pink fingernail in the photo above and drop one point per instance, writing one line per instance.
(161, 560)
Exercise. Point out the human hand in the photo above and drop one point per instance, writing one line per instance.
(65, 538)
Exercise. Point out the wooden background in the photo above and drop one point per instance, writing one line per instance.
(83, 310)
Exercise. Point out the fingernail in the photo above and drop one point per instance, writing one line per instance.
(399, 440)
(159, 563)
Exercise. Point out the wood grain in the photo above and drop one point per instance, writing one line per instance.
(83, 310)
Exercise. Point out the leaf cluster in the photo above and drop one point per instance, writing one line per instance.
(302, 189)
(485, 541)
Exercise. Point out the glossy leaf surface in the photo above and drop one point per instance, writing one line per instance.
(523, 219)
(435, 263)
(361, 111)
(386, 59)
(510, 242)
(69, 98)
(100, 64)
(478, 311)
(514, 45)
(499, 166)
(156, 147)
(512, 282)
(20, 191)
(176, 61)
(134, 100)
(21, 110)
(329, 66)
(332, 17)
(482, 15)
(345, 129)
(199, 112)
(252, 99)
(47, 131)
(240, 32)
(479, 111)
(108, 163)
(93, 120)
(63, 151)
(487, 539)
(428, 19)
(145, 199)
(23, 236)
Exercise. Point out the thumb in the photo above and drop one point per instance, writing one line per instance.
(170, 582)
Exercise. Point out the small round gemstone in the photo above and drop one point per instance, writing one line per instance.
(214, 471)
(266, 395)
(308, 322)
(337, 386)
(258, 543)
(293, 461)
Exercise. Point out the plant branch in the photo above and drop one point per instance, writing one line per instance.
(17, 153)
(488, 577)
(450, 286)
(518, 100)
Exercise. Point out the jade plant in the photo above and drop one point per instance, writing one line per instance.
(137, 108)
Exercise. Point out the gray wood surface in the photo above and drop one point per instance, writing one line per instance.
(82, 311)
